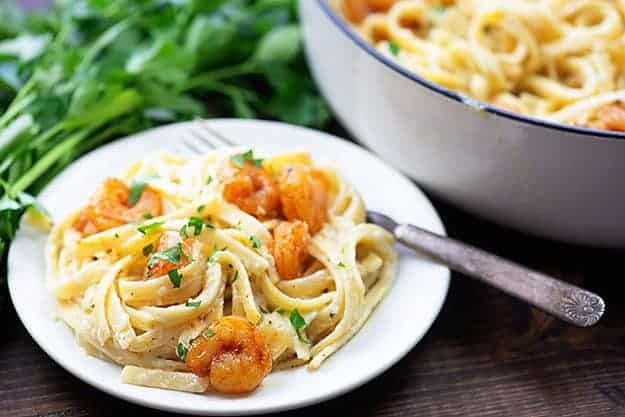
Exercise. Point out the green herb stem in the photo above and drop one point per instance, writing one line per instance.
(49, 159)
(48, 134)
(209, 79)
(15, 108)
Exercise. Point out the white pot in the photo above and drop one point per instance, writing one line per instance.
(547, 179)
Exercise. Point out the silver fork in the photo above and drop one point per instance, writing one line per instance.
(567, 302)
(200, 138)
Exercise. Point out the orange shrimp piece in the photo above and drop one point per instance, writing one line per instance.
(109, 207)
(380, 5)
(254, 191)
(169, 240)
(357, 10)
(232, 354)
(612, 116)
(304, 196)
(290, 248)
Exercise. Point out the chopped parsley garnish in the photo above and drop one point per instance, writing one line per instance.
(209, 180)
(280, 311)
(236, 276)
(256, 243)
(183, 231)
(208, 333)
(147, 216)
(298, 323)
(148, 249)
(116, 235)
(196, 223)
(175, 277)
(149, 228)
(262, 310)
(136, 190)
(137, 187)
(181, 351)
(171, 255)
(393, 47)
(240, 159)
(194, 304)
(200, 208)
(341, 264)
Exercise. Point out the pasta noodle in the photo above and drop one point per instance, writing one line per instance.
(124, 309)
(561, 60)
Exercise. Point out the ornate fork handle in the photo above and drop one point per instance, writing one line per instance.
(565, 301)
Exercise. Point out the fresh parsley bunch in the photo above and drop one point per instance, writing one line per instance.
(88, 71)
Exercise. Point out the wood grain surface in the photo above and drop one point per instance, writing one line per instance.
(486, 355)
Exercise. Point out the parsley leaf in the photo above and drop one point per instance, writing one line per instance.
(149, 228)
(256, 243)
(262, 310)
(236, 276)
(200, 208)
(181, 351)
(209, 180)
(298, 323)
(393, 47)
(183, 231)
(208, 333)
(196, 223)
(341, 264)
(175, 277)
(239, 159)
(148, 249)
(137, 187)
(194, 304)
(171, 255)
(136, 190)
(280, 311)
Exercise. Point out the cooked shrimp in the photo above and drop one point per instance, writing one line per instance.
(612, 116)
(232, 354)
(357, 10)
(169, 240)
(109, 207)
(290, 248)
(254, 191)
(304, 196)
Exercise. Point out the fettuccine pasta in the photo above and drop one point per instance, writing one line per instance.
(211, 271)
(561, 60)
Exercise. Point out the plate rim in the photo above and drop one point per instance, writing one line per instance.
(297, 404)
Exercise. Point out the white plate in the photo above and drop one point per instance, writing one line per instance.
(394, 328)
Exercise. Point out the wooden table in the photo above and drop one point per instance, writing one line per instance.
(486, 354)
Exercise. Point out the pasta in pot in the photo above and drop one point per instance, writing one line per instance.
(193, 295)
(561, 60)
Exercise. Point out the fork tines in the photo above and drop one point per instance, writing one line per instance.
(201, 138)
